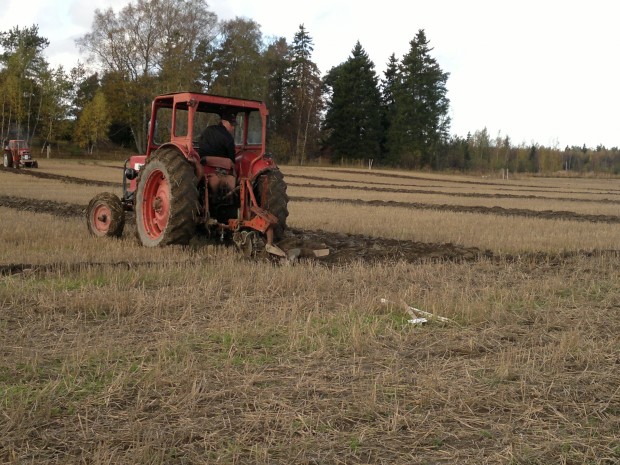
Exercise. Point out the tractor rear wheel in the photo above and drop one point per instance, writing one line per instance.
(8, 160)
(166, 200)
(275, 199)
(105, 215)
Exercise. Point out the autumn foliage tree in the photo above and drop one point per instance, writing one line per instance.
(151, 47)
(32, 95)
(92, 125)
(237, 64)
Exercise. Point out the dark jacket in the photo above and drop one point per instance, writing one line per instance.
(216, 141)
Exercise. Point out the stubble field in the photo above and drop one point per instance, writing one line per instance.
(114, 353)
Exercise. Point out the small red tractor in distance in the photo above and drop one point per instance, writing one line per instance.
(173, 199)
(17, 155)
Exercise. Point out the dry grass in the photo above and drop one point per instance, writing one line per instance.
(48, 189)
(498, 233)
(114, 353)
(196, 363)
(480, 184)
(40, 239)
(452, 189)
(110, 171)
(591, 208)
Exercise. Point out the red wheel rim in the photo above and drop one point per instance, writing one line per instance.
(102, 216)
(156, 204)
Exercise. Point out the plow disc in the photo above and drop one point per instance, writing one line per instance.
(252, 244)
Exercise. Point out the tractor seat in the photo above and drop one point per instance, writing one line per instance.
(219, 162)
(223, 178)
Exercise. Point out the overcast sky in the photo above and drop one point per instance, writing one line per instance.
(543, 71)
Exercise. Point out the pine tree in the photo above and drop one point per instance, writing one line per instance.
(388, 102)
(302, 96)
(353, 118)
(277, 64)
(419, 121)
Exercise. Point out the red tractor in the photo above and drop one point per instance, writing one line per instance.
(176, 195)
(17, 155)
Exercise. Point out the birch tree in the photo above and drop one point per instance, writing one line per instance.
(151, 47)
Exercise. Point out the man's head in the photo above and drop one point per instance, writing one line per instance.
(229, 119)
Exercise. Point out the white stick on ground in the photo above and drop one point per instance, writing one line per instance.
(415, 311)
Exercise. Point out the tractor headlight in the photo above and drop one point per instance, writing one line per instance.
(131, 174)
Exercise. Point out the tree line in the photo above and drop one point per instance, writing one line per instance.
(349, 115)
(481, 152)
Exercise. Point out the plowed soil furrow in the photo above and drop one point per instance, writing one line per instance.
(58, 177)
(69, 210)
(66, 210)
(350, 181)
(499, 186)
(539, 214)
(17, 268)
(365, 184)
(454, 194)
(344, 248)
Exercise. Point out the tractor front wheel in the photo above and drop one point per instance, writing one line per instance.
(166, 200)
(105, 215)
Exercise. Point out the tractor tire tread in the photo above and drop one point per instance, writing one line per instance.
(181, 225)
(277, 200)
(117, 222)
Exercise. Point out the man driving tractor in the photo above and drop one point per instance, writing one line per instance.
(216, 147)
(217, 140)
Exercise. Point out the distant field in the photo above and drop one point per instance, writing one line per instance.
(116, 353)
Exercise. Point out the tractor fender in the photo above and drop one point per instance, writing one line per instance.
(136, 162)
(251, 165)
(187, 152)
